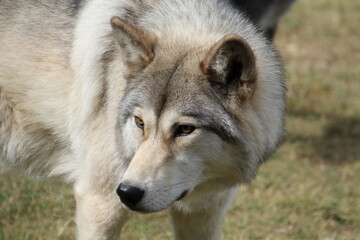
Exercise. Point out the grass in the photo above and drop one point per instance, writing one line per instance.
(307, 191)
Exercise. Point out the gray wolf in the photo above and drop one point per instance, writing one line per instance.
(265, 13)
(165, 104)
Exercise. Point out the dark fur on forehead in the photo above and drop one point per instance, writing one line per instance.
(163, 88)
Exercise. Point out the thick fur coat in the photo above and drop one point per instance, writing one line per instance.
(170, 103)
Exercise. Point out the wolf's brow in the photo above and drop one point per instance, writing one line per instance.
(215, 125)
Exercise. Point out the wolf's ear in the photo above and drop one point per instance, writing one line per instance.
(230, 65)
(136, 43)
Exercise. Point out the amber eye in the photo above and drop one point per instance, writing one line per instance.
(184, 130)
(139, 122)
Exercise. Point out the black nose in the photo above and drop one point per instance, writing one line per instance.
(129, 195)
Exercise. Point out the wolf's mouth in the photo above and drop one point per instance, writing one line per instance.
(183, 194)
(142, 209)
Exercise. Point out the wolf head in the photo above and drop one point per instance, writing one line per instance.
(196, 117)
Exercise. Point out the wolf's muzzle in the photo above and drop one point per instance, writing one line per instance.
(130, 195)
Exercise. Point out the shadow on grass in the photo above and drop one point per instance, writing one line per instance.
(339, 143)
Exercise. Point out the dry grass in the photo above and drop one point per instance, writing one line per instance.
(309, 188)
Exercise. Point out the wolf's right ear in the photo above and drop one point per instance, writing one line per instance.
(136, 43)
(230, 64)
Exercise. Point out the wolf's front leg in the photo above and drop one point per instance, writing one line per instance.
(204, 223)
(99, 216)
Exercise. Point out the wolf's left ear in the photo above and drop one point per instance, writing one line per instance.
(136, 43)
(230, 64)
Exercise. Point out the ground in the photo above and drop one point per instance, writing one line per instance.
(307, 191)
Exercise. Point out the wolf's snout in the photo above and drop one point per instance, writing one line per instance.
(129, 195)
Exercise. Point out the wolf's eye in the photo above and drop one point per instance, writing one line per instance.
(139, 122)
(184, 130)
